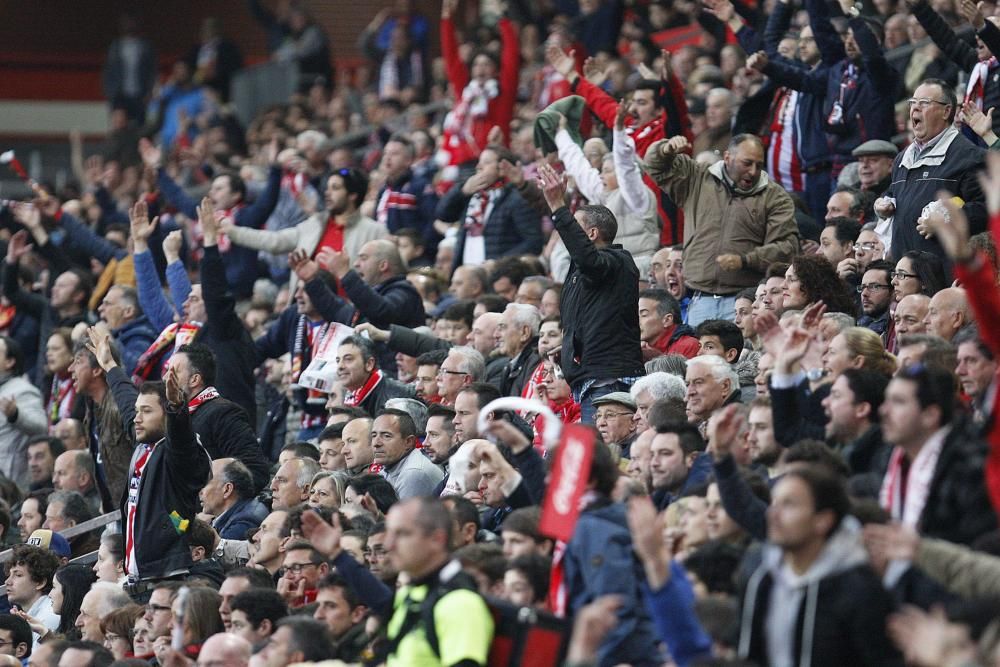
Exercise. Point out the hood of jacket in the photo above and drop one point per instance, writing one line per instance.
(718, 170)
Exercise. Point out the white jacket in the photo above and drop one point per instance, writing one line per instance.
(14, 435)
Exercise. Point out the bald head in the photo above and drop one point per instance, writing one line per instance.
(947, 312)
(910, 314)
(225, 649)
(378, 261)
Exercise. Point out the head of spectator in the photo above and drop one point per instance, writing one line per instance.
(910, 313)
(120, 306)
(33, 509)
(101, 600)
(876, 289)
(743, 312)
(86, 654)
(508, 272)
(226, 650)
(439, 441)
(531, 290)
(290, 485)
(615, 417)
(331, 445)
(764, 449)
(720, 338)
(948, 312)
(811, 278)
(357, 451)
(418, 536)
(69, 586)
(345, 191)
(29, 574)
(150, 413)
(266, 543)
(70, 292)
(200, 613)
(70, 432)
(468, 403)
(927, 350)
(394, 436)
(520, 536)
(379, 261)
(868, 248)
(469, 282)
(15, 636)
(659, 315)
(118, 628)
(808, 505)
(711, 382)
(517, 330)
(846, 202)
(455, 323)
(462, 367)
(110, 565)
(299, 449)
(483, 336)
(411, 245)
(338, 606)
(66, 509)
(857, 347)
(651, 388)
(236, 581)
(550, 301)
(550, 335)
(744, 159)
(466, 522)
(719, 106)
(74, 471)
(43, 450)
(255, 612)
(836, 241)
(231, 482)
(773, 298)
(719, 524)
(327, 489)
(672, 453)
(483, 561)
(195, 366)
(918, 272)
(416, 409)
(667, 270)
(875, 158)
(852, 407)
(397, 156)
(645, 105)
(932, 110)
(297, 639)
(977, 367)
(919, 401)
(302, 569)
(526, 580)
(356, 361)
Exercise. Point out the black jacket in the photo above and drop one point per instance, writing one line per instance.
(958, 507)
(226, 432)
(225, 335)
(798, 413)
(394, 301)
(177, 469)
(513, 228)
(916, 181)
(518, 371)
(600, 319)
(383, 391)
(280, 339)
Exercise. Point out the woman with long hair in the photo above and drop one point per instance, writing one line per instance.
(62, 391)
(69, 586)
(918, 272)
(857, 347)
(811, 278)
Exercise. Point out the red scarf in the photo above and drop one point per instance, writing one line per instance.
(205, 395)
(356, 397)
(179, 333)
(61, 398)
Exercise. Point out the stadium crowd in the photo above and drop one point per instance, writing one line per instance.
(758, 267)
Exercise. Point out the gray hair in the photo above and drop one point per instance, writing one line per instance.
(313, 138)
(660, 386)
(307, 470)
(470, 361)
(110, 597)
(721, 369)
(841, 320)
(526, 315)
(675, 364)
(412, 407)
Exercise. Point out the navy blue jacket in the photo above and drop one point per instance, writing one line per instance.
(513, 228)
(241, 263)
(280, 339)
(412, 204)
(234, 523)
(133, 339)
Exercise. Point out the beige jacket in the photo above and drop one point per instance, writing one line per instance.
(967, 573)
(759, 227)
(306, 236)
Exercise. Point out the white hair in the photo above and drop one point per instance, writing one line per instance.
(471, 361)
(660, 386)
(525, 315)
(313, 138)
(307, 470)
(720, 368)
(110, 597)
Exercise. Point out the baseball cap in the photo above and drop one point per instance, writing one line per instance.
(54, 542)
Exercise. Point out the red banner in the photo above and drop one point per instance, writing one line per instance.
(570, 473)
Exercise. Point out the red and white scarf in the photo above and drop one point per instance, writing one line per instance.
(976, 88)
(480, 207)
(356, 397)
(171, 338)
(459, 145)
(904, 499)
(61, 398)
(204, 396)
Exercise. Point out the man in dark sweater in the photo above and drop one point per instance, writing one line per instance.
(600, 319)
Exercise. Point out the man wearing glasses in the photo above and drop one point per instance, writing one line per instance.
(300, 574)
(940, 158)
(876, 296)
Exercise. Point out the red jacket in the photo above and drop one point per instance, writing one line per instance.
(687, 345)
(501, 107)
(984, 297)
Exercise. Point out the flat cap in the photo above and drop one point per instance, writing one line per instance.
(875, 147)
(619, 397)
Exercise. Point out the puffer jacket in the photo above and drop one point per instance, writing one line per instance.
(759, 227)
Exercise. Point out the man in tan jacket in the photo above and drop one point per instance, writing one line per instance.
(736, 220)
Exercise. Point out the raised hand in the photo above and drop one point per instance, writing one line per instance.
(304, 268)
(323, 536)
(209, 223)
(720, 9)
(337, 263)
(813, 315)
(675, 145)
(272, 152)
(972, 11)
(727, 427)
(981, 123)
(561, 61)
(18, 246)
(553, 186)
(512, 172)
(666, 69)
(140, 225)
(620, 115)
(593, 72)
(152, 156)
(176, 394)
(591, 626)
(172, 246)
(758, 61)
(99, 345)
(28, 215)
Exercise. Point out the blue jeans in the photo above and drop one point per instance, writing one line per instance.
(586, 401)
(704, 307)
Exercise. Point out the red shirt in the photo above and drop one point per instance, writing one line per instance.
(333, 237)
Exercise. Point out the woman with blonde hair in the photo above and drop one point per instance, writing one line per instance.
(857, 347)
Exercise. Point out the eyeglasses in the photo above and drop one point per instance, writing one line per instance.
(444, 371)
(610, 415)
(873, 287)
(924, 103)
(297, 568)
(867, 247)
(902, 275)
